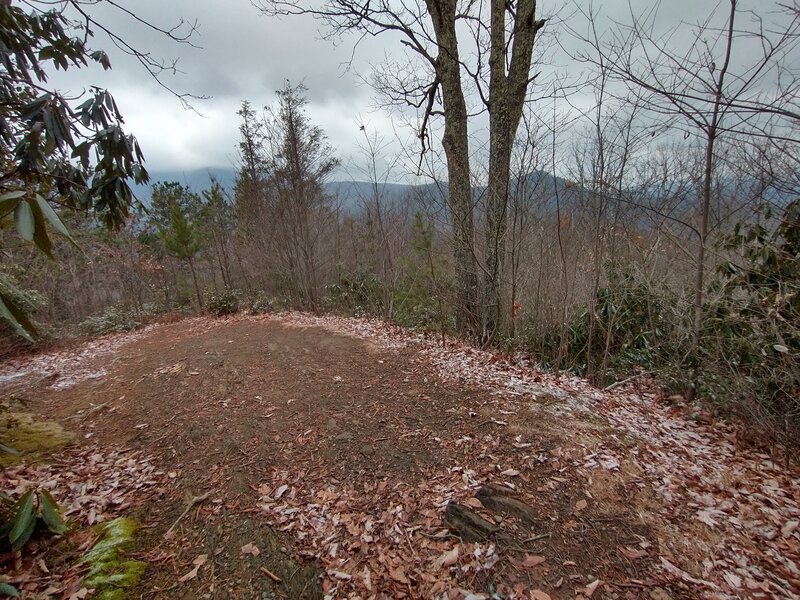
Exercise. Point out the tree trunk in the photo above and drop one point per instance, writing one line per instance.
(456, 147)
(196, 286)
(708, 173)
(507, 93)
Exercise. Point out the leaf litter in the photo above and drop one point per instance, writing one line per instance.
(92, 485)
(731, 513)
(726, 525)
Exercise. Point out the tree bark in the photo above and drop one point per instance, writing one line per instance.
(456, 147)
(196, 285)
(507, 92)
(712, 133)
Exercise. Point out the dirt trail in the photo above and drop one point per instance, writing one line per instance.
(327, 464)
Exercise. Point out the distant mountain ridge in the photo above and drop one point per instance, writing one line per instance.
(196, 180)
(351, 194)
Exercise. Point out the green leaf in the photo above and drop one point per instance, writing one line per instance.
(51, 513)
(16, 317)
(23, 218)
(7, 206)
(15, 195)
(8, 450)
(6, 589)
(23, 522)
(53, 218)
(40, 237)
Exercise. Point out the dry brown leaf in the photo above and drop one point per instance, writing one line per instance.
(197, 562)
(399, 574)
(591, 588)
(580, 505)
(531, 561)
(539, 595)
(448, 559)
(341, 575)
(789, 528)
(632, 553)
(367, 577)
(251, 548)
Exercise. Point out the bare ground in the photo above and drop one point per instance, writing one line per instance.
(302, 462)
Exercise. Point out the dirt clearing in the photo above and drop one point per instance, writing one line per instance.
(301, 457)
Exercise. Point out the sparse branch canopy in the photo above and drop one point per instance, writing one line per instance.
(495, 58)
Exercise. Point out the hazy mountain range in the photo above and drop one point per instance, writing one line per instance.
(351, 194)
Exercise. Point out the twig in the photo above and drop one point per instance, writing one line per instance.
(270, 574)
(631, 585)
(536, 538)
(617, 384)
(440, 536)
(195, 501)
(89, 412)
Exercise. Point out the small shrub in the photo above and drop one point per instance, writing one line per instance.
(260, 303)
(226, 302)
(35, 508)
(114, 319)
(28, 300)
(357, 294)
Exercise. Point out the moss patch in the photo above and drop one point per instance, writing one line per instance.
(548, 399)
(30, 437)
(109, 574)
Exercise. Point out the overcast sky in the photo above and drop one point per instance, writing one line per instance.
(245, 55)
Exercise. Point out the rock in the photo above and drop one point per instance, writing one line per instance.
(367, 450)
(344, 437)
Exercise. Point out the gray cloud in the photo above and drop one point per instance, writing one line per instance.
(245, 55)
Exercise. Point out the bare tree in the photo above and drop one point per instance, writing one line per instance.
(702, 90)
(498, 64)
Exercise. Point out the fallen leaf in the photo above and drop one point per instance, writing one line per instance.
(510, 473)
(399, 574)
(580, 505)
(531, 561)
(591, 588)
(251, 549)
(341, 575)
(789, 528)
(732, 580)
(632, 553)
(539, 595)
(448, 559)
(197, 562)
